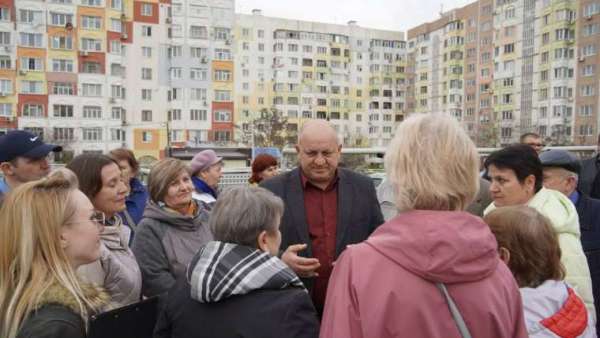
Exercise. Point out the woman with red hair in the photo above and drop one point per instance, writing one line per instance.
(264, 166)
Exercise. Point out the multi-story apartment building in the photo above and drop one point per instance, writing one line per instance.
(353, 76)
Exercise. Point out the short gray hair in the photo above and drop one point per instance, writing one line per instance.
(242, 213)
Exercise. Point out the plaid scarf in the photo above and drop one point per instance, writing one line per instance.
(221, 270)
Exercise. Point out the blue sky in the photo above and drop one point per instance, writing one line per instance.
(382, 14)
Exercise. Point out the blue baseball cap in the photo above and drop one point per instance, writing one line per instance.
(21, 143)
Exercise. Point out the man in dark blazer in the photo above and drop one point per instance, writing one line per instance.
(561, 170)
(326, 208)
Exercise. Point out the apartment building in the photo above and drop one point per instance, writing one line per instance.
(353, 76)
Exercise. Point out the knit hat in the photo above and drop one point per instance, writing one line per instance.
(203, 160)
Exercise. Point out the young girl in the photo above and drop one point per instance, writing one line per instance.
(529, 246)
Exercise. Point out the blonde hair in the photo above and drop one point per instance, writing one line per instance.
(432, 164)
(31, 256)
(162, 174)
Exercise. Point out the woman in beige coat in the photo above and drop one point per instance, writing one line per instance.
(117, 271)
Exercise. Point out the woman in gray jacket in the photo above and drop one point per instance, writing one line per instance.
(172, 230)
(117, 271)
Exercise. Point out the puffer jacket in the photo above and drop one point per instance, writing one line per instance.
(554, 310)
(563, 215)
(59, 316)
(165, 243)
(117, 270)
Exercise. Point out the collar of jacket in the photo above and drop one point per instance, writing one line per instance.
(201, 186)
(136, 185)
(58, 294)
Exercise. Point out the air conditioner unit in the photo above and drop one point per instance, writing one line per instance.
(85, 53)
(228, 42)
(588, 17)
(22, 72)
(581, 58)
(204, 59)
(112, 100)
(7, 49)
(168, 20)
(124, 36)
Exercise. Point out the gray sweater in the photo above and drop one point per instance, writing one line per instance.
(164, 244)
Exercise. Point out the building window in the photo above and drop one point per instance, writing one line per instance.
(174, 115)
(116, 25)
(222, 33)
(222, 136)
(147, 115)
(198, 74)
(4, 14)
(91, 22)
(198, 115)
(63, 88)
(32, 110)
(61, 42)
(146, 73)
(31, 40)
(32, 64)
(117, 113)
(30, 16)
(95, 3)
(146, 94)
(146, 9)
(62, 110)
(91, 45)
(175, 73)
(147, 136)
(147, 52)
(198, 94)
(92, 112)
(198, 32)
(222, 75)
(91, 89)
(117, 135)
(32, 87)
(60, 19)
(222, 54)
(92, 134)
(64, 134)
(222, 95)
(91, 68)
(222, 116)
(147, 31)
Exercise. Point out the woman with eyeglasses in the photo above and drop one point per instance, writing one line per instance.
(47, 231)
(101, 180)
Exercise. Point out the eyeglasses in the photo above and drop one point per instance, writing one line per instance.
(98, 217)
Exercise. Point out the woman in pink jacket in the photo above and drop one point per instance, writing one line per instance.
(433, 270)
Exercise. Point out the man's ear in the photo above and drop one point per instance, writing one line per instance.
(504, 254)
(6, 168)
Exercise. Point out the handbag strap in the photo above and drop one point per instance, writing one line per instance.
(458, 319)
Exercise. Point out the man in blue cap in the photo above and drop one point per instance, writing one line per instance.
(23, 158)
(561, 172)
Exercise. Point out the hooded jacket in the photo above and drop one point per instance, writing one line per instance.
(165, 243)
(554, 310)
(562, 213)
(386, 286)
(58, 315)
(237, 291)
(117, 270)
(136, 201)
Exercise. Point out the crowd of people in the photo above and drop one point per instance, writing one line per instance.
(444, 247)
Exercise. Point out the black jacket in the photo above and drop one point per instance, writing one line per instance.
(53, 321)
(358, 212)
(588, 210)
(281, 313)
(589, 180)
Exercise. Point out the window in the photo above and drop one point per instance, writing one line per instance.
(5, 38)
(147, 52)
(117, 92)
(62, 110)
(33, 110)
(146, 115)
(92, 112)
(91, 22)
(32, 64)
(60, 19)
(175, 51)
(146, 94)
(588, 70)
(117, 134)
(198, 52)
(4, 14)
(116, 4)
(222, 136)
(117, 113)
(198, 32)
(63, 88)
(222, 33)
(63, 134)
(588, 90)
(61, 42)
(586, 110)
(31, 40)
(96, 3)
(30, 16)
(198, 115)
(146, 9)
(92, 134)
(589, 50)
(198, 74)
(222, 54)
(591, 29)
(32, 87)
(174, 115)
(146, 31)
(147, 136)
(91, 68)
(222, 95)
(146, 73)
(198, 94)
(116, 25)
(5, 62)
(222, 116)
(222, 75)
(91, 89)
(91, 44)
(175, 73)
(116, 47)
(509, 48)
